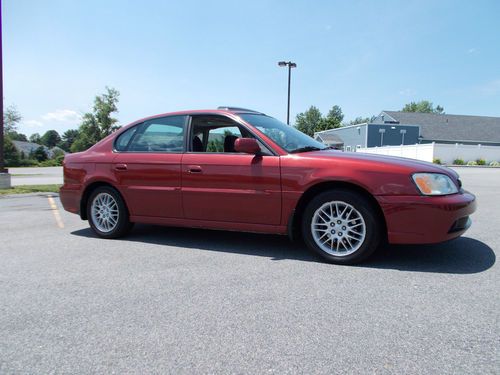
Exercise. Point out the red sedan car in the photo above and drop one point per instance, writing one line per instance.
(237, 169)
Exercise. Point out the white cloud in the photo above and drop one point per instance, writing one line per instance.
(407, 92)
(62, 115)
(60, 120)
(471, 50)
(33, 123)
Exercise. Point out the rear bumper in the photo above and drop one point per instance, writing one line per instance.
(70, 198)
(425, 219)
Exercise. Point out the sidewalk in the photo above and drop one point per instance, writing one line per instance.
(36, 176)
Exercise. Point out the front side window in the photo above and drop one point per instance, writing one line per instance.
(165, 134)
(219, 137)
(216, 134)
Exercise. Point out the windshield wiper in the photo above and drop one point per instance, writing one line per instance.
(307, 148)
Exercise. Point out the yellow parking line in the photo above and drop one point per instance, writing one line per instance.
(55, 211)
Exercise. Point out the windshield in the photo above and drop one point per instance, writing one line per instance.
(286, 136)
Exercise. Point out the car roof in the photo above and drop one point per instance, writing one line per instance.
(219, 111)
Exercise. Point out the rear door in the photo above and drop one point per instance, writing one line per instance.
(148, 166)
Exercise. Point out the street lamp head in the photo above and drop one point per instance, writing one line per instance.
(289, 64)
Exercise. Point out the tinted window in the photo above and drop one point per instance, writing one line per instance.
(124, 139)
(164, 134)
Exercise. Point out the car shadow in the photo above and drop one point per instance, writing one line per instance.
(463, 255)
(460, 256)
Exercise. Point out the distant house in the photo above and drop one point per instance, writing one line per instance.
(358, 136)
(27, 148)
(392, 128)
(445, 128)
(330, 139)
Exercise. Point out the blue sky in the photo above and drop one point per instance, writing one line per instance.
(365, 56)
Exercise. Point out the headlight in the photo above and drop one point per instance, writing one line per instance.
(434, 184)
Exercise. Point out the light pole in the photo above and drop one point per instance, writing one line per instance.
(290, 66)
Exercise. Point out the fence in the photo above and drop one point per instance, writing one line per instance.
(447, 153)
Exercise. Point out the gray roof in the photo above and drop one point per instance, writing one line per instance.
(448, 127)
(29, 147)
(329, 138)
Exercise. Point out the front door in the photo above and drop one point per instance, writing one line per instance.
(220, 184)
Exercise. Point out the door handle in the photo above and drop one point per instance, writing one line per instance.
(194, 169)
(121, 167)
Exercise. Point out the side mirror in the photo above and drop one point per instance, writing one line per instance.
(246, 145)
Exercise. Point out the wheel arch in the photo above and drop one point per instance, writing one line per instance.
(312, 191)
(88, 191)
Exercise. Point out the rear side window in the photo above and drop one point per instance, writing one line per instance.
(165, 134)
(123, 140)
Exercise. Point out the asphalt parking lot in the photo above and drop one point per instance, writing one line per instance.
(166, 300)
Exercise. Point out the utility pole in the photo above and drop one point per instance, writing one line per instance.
(2, 163)
(4, 173)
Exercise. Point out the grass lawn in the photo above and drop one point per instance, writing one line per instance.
(23, 189)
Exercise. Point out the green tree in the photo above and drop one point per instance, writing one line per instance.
(99, 123)
(11, 155)
(40, 154)
(332, 121)
(68, 138)
(51, 138)
(308, 121)
(423, 106)
(35, 138)
(11, 117)
(361, 120)
(15, 136)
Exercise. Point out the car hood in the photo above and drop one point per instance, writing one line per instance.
(404, 164)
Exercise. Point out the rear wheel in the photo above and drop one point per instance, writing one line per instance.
(107, 214)
(341, 226)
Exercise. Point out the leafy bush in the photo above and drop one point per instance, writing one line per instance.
(59, 159)
(52, 162)
(458, 161)
(494, 164)
(11, 156)
(472, 162)
(436, 161)
(26, 163)
(481, 162)
(40, 154)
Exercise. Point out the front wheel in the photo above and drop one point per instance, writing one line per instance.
(341, 226)
(107, 214)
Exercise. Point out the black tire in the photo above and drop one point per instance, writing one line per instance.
(372, 226)
(122, 226)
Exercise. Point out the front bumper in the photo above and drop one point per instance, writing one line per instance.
(427, 219)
